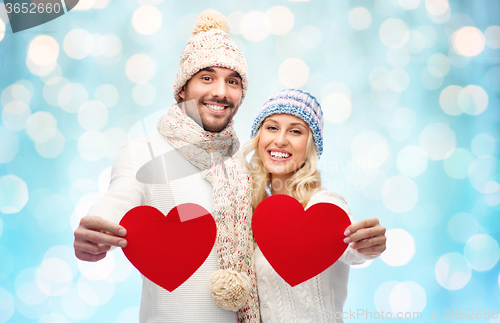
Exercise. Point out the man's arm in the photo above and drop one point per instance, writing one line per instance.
(95, 236)
(99, 230)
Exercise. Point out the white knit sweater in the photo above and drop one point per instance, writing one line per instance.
(190, 302)
(316, 300)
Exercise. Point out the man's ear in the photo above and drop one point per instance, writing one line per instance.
(182, 93)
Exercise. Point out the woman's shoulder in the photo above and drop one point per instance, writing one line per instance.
(326, 196)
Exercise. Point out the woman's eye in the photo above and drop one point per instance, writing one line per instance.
(297, 132)
(272, 128)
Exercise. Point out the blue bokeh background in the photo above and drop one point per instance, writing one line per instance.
(410, 91)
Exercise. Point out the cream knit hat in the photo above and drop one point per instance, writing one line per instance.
(209, 46)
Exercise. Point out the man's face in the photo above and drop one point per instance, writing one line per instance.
(217, 92)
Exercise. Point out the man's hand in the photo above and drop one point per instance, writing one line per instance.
(95, 236)
(367, 237)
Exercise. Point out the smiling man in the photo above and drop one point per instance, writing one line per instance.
(210, 87)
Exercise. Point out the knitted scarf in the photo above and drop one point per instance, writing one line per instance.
(234, 285)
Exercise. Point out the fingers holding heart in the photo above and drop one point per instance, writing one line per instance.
(366, 236)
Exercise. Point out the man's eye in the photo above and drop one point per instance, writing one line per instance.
(234, 82)
(206, 78)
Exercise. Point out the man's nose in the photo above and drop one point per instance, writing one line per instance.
(219, 89)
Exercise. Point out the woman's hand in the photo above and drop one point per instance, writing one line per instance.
(366, 237)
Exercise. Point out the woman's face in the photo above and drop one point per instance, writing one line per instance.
(283, 144)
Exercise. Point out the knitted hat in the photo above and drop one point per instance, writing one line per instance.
(298, 103)
(210, 46)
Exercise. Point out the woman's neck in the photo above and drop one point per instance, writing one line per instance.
(278, 183)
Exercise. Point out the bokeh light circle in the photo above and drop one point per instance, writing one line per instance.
(116, 138)
(369, 149)
(402, 124)
(432, 78)
(482, 251)
(7, 263)
(448, 100)
(7, 307)
(439, 61)
(60, 274)
(430, 35)
(107, 94)
(75, 307)
(453, 271)
(400, 248)
(98, 270)
(483, 144)
(289, 45)
(52, 213)
(50, 144)
(398, 80)
(78, 43)
(360, 18)
(127, 313)
(96, 292)
(394, 33)
(92, 115)
(437, 7)
(92, 145)
(398, 57)
(411, 161)
(336, 107)
(14, 194)
(43, 50)
(493, 78)
(17, 92)
(280, 20)
(438, 141)
(407, 297)
(9, 145)
(416, 42)
(41, 126)
(458, 163)
(473, 100)
(255, 26)
(310, 37)
(293, 73)
(409, 4)
(140, 68)
(492, 35)
(15, 115)
(468, 41)
(144, 94)
(482, 171)
(399, 194)
(462, 226)
(71, 97)
(147, 20)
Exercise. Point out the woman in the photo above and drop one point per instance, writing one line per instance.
(287, 142)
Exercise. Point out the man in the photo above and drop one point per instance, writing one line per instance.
(211, 84)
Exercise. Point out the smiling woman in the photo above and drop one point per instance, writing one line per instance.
(287, 142)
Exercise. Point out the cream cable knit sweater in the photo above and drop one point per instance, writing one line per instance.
(191, 302)
(316, 300)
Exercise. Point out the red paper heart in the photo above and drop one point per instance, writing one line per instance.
(168, 250)
(299, 244)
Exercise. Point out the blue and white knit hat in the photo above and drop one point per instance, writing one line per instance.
(298, 103)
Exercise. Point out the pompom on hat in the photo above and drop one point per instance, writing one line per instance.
(298, 103)
(210, 46)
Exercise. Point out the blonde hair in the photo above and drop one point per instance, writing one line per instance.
(305, 181)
